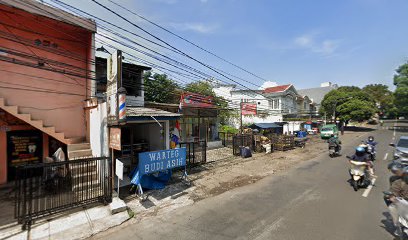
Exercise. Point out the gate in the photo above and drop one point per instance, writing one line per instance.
(244, 140)
(44, 189)
(226, 139)
(196, 152)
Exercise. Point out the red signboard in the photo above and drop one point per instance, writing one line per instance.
(196, 100)
(248, 108)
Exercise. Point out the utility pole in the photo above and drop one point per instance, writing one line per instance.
(240, 112)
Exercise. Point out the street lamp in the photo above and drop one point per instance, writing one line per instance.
(102, 49)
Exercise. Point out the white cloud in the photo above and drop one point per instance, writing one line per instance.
(195, 27)
(311, 42)
(268, 84)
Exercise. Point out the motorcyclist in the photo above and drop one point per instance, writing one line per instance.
(334, 141)
(362, 156)
(370, 141)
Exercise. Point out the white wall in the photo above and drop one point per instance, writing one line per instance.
(291, 127)
(99, 131)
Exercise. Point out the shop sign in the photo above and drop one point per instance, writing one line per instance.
(150, 162)
(114, 75)
(114, 138)
(248, 108)
(196, 100)
(24, 147)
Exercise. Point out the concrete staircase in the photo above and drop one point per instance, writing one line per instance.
(50, 130)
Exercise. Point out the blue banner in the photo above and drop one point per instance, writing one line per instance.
(150, 162)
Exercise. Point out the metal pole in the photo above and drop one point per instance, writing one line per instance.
(113, 175)
(240, 109)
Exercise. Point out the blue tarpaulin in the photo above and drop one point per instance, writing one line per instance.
(265, 125)
(152, 181)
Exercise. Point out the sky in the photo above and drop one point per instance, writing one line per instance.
(305, 43)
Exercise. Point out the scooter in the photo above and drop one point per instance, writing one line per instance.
(370, 150)
(402, 207)
(359, 174)
(334, 151)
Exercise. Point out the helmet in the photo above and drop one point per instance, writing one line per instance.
(332, 135)
(371, 139)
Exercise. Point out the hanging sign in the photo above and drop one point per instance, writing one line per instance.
(114, 75)
(196, 100)
(119, 169)
(114, 138)
(150, 162)
(248, 108)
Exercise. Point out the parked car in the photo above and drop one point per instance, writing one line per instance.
(401, 150)
(328, 130)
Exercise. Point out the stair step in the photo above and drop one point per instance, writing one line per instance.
(49, 130)
(37, 123)
(83, 168)
(11, 109)
(74, 140)
(86, 186)
(78, 146)
(85, 176)
(79, 153)
(25, 117)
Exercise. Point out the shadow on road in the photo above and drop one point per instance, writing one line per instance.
(388, 224)
(358, 129)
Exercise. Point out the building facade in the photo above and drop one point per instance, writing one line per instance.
(46, 83)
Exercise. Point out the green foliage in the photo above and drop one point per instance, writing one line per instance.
(382, 96)
(401, 100)
(348, 103)
(355, 109)
(228, 129)
(401, 93)
(159, 88)
(401, 78)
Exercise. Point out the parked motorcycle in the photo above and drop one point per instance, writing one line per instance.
(402, 207)
(359, 174)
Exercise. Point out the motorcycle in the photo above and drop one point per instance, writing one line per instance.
(333, 151)
(370, 150)
(359, 174)
(402, 207)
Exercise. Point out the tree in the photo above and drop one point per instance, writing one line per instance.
(382, 96)
(348, 103)
(401, 92)
(159, 88)
(355, 109)
(401, 78)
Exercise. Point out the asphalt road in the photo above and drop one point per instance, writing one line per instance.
(311, 202)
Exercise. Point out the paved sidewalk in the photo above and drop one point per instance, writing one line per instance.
(78, 225)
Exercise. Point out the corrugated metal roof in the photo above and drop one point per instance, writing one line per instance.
(38, 8)
(148, 112)
(316, 94)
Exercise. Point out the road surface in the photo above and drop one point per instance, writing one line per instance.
(311, 202)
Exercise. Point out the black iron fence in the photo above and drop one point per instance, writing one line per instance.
(196, 152)
(47, 188)
(226, 138)
(244, 140)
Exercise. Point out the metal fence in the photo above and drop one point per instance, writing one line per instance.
(244, 140)
(196, 152)
(226, 139)
(47, 188)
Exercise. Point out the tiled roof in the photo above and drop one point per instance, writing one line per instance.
(276, 89)
(148, 112)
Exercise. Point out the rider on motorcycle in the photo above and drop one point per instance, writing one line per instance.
(362, 156)
(334, 141)
(370, 141)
